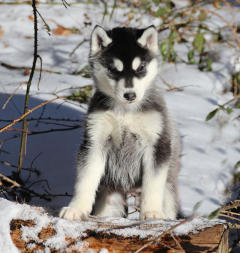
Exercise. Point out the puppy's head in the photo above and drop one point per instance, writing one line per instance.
(123, 61)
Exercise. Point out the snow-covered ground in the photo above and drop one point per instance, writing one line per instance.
(209, 149)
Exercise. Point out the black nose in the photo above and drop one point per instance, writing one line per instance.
(130, 96)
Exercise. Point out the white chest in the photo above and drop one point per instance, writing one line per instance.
(146, 125)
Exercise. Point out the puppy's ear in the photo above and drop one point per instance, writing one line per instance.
(149, 39)
(99, 39)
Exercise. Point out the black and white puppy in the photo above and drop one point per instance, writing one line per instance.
(130, 140)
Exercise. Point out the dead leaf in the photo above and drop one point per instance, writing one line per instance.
(61, 30)
(26, 72)
(5, 44)
(31, 18)
(86, 16)
(1, 32)
(28, 37)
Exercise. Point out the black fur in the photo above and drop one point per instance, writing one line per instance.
(124, 46)
(127, 150)
(121, 177)
(100, 102)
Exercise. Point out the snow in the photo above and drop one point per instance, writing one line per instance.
(209, 149)
(67, 229)
(7, 213)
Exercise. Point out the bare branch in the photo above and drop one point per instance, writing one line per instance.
(28, 112)
(154, 238)
(45, 23)
(14, 92)
(40, 74)
(7, 179)
(29, 83)
(12, 67)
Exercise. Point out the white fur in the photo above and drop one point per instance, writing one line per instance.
(136, 63)
(107, 85)
(118, 64)
(169, 203)
(99, 37)
(142, 84)
(101, 125)
(109, 204)
(152, 199)
(133, 134)
(89, 176)
(86, 187)
(117, 89)
(149, 39)
(157, 201)
(148, 125)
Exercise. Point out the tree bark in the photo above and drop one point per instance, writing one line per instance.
(211, 239)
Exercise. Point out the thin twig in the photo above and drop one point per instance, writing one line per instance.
(230, 213)
(9, 66)
(35, 57)
(40, 116)
(39, 181)
(176, 241)
(157, 238)
(74, 88)
(46, 118)
(113, 9)
(28, 112)
(9, 180)
(78, 45)
(65, 4)
(54, 130)
(14, 92)
(14, 166)
(235, 35)
(45, 23)
(40, 74)
(48, 3)
(70, 128)
(30, 171)
(234, 226)
(105, 12)
(231, 100)
(25, 140)
(230, 217)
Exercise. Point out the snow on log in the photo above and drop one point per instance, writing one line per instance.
(31, 229)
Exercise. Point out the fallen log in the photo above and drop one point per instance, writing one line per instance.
(111, 237)
(26, 228)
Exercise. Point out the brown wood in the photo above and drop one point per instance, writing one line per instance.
(212, 239)
(224, 246)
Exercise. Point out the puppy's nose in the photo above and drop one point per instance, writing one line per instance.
(130, 96)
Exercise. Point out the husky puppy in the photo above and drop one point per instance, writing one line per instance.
(130, 140)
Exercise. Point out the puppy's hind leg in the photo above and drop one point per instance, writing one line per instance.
(110, 203)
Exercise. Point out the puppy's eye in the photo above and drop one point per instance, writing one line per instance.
(141, 68)
(112, 68)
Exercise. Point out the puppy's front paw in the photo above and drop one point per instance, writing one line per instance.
(71, 213)
(152, 215)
